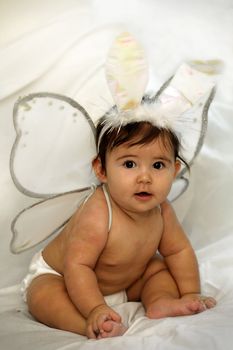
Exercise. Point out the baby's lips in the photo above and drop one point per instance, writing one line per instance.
(143, 194)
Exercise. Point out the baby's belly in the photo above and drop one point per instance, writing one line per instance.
(113, 280)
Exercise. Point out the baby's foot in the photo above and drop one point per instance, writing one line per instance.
(112, 329)
(168, 307)
(208, 301)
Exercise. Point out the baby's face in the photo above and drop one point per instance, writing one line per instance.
(139, 177)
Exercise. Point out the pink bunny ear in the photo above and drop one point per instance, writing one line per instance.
(127, 72)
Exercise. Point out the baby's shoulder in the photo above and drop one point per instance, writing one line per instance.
(168, 213)
(97, 198)
(166, 208)
(93, 211)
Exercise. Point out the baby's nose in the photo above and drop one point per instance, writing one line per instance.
(144, 177)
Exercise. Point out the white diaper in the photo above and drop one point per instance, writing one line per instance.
(116, 298)
(38, 266)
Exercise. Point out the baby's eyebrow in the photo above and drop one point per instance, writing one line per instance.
(127, 156)
(155, 158)
(162, 158)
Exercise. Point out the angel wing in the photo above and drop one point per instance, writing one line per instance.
(50, 159)
(36, 223)
(54, 146)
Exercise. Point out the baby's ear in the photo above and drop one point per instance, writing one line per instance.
(99, 170)
(177, 167)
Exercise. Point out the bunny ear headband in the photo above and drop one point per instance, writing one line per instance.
(180, 106)
(55, 137)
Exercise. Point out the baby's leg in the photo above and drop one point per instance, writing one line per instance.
(50, 304)
(160, 295)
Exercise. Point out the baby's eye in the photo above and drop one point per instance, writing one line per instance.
(158, 165)
(129, 164)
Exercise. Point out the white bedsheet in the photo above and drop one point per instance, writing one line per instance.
(60, 46)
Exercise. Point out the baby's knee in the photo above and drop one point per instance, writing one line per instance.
(41, 292)
(155, 265)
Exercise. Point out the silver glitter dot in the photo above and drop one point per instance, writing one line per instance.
(26, 107)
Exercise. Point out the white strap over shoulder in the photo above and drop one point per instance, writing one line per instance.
(109, 207)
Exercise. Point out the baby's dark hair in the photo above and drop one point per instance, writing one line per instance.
(137, 133)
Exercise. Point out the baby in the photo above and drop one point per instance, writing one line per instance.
(123, 243)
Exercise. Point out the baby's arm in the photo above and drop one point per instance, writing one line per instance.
(85, 244)
(179, 255)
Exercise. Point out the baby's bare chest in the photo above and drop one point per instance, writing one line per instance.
(126, 255)
(132, 244)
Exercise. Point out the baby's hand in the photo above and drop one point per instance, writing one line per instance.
(206, 302)
(97, 317)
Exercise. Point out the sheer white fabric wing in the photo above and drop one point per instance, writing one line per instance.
(36, 223)
(54, 147)
(51, 159)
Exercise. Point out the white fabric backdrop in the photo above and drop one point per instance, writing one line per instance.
(60, 46)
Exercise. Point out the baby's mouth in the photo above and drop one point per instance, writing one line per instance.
(143, 194)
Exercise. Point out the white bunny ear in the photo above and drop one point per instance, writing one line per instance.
(54, 146)
(127, 72)
(185, 100)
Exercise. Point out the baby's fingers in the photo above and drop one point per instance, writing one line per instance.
(90, 332)
(93, 330)
(115, 316)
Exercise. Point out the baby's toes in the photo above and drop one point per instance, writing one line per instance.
(201, 306)
(112, 329)
(209, 302)
(108, 326)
